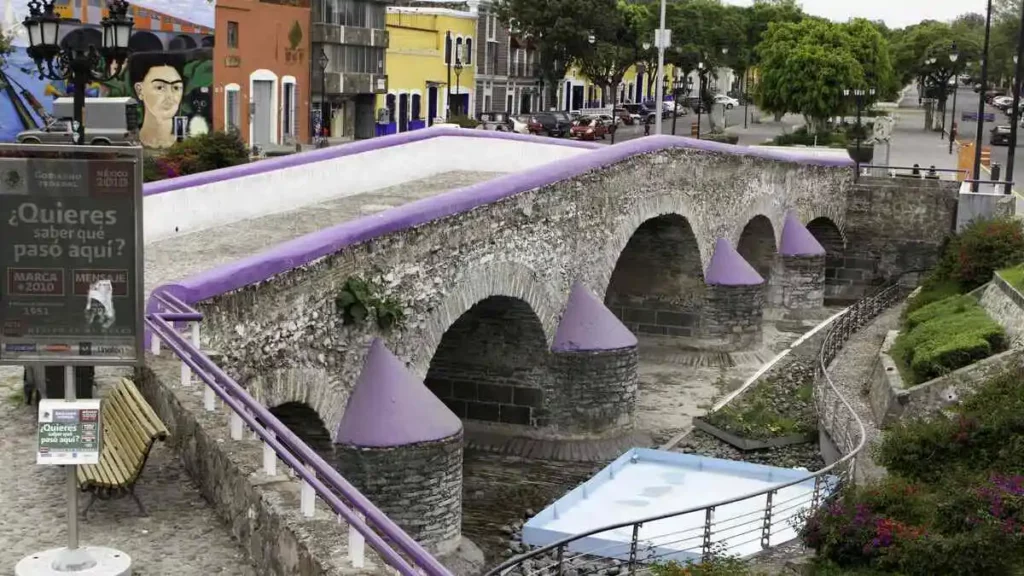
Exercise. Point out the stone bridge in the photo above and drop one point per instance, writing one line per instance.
(517, 298)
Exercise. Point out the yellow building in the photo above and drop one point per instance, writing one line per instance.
(430, 61)
(577, 91)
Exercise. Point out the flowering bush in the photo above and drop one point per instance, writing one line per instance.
(984, 246)
(954, 500)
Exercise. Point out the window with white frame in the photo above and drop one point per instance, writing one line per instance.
(448, 48)
(232, 107)
(492, 27)
(515, 60)
(459, 55)
(468, 58)
(288, 113)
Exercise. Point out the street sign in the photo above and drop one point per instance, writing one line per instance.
(69, 432)
(973, 117)
(71, 286)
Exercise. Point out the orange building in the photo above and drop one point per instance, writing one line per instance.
(261, 70)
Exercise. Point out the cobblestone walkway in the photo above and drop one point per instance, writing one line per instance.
(851, 371)
(182, 536)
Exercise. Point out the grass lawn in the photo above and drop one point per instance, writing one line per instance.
(1014, 276)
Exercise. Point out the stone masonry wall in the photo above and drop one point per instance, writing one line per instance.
(597, 391)
(531, 246)
(733, 316)
(418, 486)
(803, 282)
(658, 283)
(492, 364)
(1006, 306)
(894, 225)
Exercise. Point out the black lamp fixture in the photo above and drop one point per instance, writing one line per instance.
(77, 65)
(323, 61)
(458, 87)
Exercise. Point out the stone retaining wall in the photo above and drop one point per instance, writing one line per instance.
(891, 401)
(262, 512)
(1006, 306)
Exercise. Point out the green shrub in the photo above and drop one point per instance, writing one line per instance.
(902, 527)
(945, 307)
(984, 246)
(1014, 276)
(931, 291)
(206, 152)
(464, 121)
(985, 433)
(717, 565)
(944, 336)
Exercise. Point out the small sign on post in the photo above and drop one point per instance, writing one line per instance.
(69, 432)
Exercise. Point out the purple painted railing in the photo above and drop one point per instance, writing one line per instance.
(366, 522)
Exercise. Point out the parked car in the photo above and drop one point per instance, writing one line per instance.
(640, 112)
(625, 116)
(589, 129)
(548, 124)
(1000, 136)
(521, 124)
(1002, 102)
(728, 101)
(497, 121)
(613, 122)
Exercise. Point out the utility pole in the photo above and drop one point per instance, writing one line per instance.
(661, 38)
(976, 175)
(1015, 115)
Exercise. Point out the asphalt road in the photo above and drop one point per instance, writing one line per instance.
(967, 100)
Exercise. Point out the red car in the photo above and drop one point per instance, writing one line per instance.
(588, 129)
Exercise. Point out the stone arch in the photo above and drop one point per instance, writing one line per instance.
(831, 238)
(142, 41)
(306, 423)
(492, 363)
(757, 244)
(182, 42)
(657, 284)
(477, 283)
(310, 387)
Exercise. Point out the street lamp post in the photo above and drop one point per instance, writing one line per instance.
(953, 56)
(323, 61)
(449, 55)
(976, 174)
(700, 95)
(1018, 61)
(858, 95)
(746, 97)
(662, 41)
(458, 87)
(681, 86)
(76, 65)
(725, 119)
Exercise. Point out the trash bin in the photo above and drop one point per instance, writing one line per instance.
(85, 381)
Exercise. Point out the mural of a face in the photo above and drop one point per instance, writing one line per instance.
(160, 92)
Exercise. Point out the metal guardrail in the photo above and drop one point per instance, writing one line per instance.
(710, 534)
(366, 522)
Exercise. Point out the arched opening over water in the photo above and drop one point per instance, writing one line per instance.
(491, 364)
(657, 286)
(305, 423)
(757, 246)
(827, 233)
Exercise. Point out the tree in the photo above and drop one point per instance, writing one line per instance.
(617, 46)
(806, 66)
(764, 12)
(559, 29)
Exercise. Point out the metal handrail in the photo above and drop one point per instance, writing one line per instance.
(394, 545)
(842, 327)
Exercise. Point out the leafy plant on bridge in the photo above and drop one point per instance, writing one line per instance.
(360, 299)
(954, 499)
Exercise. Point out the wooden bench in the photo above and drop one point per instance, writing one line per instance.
(130, 427)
